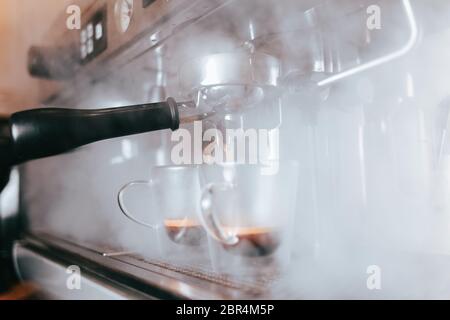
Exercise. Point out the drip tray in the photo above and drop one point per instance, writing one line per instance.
(256, 286)
(154, 277)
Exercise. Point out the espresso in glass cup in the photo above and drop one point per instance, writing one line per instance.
(248, 213)
(173, 192)
(184, 231)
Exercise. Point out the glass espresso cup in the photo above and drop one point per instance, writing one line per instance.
(173, 192)
(248, 210)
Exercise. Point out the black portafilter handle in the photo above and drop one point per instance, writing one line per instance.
(42, 133)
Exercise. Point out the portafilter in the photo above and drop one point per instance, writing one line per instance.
(230, 82)
(219, 83)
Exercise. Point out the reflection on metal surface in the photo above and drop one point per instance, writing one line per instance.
(9, 198)
(166, 278)
(117, 254)
(50, 277)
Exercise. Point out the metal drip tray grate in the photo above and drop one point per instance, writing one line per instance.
(193, 280)
(255, 285)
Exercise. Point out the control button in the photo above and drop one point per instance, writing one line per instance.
(83, 36)
(90, 46)
(83, 51)
(98, 31)
(90, 30)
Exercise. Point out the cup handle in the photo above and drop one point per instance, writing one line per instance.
(209, 219)
(123, 208)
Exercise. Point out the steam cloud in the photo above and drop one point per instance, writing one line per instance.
(373, 186)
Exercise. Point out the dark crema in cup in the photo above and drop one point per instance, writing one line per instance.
(254, 242)
(185, 232)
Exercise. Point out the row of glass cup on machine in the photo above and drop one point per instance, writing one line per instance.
(239, 211)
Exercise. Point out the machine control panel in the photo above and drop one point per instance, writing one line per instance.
(93, 37)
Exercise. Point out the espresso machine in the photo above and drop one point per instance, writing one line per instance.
(353, 92)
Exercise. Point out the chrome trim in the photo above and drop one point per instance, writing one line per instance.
(148, 279)
(50, 277)
(406, 48)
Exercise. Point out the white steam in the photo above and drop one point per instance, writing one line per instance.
(373, 188)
